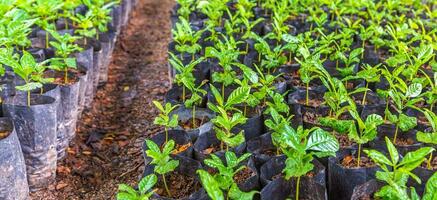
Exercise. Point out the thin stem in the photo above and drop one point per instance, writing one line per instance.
(362, 46)
(359, 155)
(66, 24)
(165, 185)
(307, 94)
(429, 162)
(194, 116)
(297, 188)
(183, 94)
(66, 75)
(386, 107)
(223, 90)
(396, 134)
(365, 94)
(28, 98)
(166, 135)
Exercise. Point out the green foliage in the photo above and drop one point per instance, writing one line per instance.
(429, 137)
(186, 38)
(161, 160)
(223, 181)
(164, 118)
(125, 192)
(396, 172)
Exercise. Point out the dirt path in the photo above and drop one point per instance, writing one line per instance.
(107, 150)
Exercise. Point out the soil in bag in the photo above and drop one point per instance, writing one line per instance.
(201, 123)
(344, 174)
(36, 129)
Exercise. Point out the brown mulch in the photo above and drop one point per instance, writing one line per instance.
(107, 148)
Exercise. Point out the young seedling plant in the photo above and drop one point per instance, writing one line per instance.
(395, 172)
(126, 192)
(26, 68)
(161, 160)
(164, 118)
(363, 133)
(300, 146)
(64, 47)
(228, 116)
(223, 181)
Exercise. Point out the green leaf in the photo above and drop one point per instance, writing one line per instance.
(127, 189)
(340, 126)
(392, 151)
(236, 194)
(322, 141)
(238, 96)
(406, 122)
(431, 188)
(218, 97)
(414, 90)
(210, 185)
(147, 183)
(378, 158)
(168, 147)
(159, 106)
(429, 138)
(29, 86)
(126, 196)
(413, 159)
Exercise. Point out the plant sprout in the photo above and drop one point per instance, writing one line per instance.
(164, 118)
(162, 161)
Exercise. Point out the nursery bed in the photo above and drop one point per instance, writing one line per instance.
(107, 150)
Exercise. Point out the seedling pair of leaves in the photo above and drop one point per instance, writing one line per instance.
(164, 118)
(126, 192)
(186, 8)
(227, 53)
(300, 146)
(221, 185)
(64, 47)
(396, 172)
(228, 116)
(14, 29)
(26, 68)
(358, 130)
(403, 96)
(370, 74)
(186, 38)
(101, 12)
(161, 160)
(186, 79)
(310, 67)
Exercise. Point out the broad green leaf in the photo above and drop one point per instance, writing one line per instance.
(322, 141)
(210, 185)
(429, 138)
(378, 157)
(406, 122)
(236, 194)
(159, 106)
(392, 151)
(413, 159)
(431, 188)
(414, 90)
(238, 96)
(147, 183)
(29, 86)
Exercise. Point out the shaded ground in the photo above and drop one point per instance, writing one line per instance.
(107, 150)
